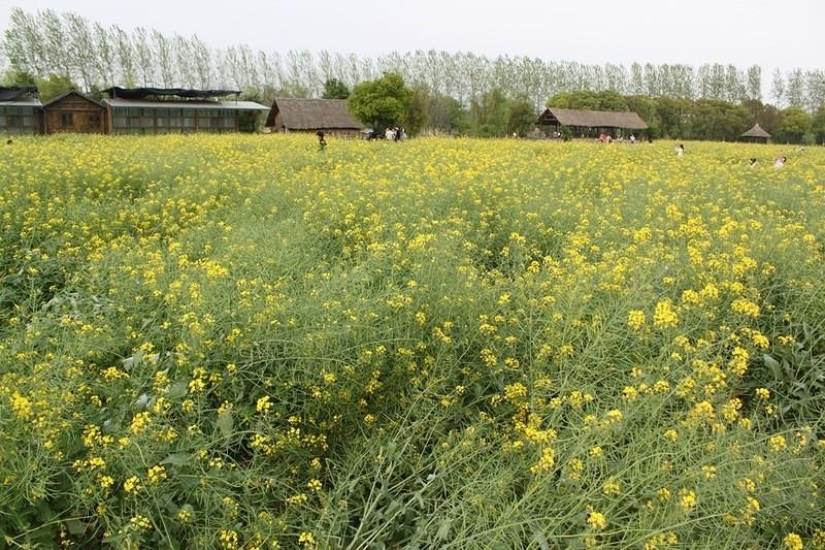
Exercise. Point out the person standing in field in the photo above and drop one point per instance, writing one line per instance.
(680, 150)
(322, 143)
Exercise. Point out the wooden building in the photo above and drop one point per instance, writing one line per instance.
(73, 112)
(591, 123)
(177, 110)
(756, 135)
(20, 111)
(330, 116)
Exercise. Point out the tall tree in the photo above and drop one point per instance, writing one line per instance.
(777, 87)
(754, 86)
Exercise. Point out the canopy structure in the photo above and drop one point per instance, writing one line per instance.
(17, 93)
(756, 133)
(145, 93)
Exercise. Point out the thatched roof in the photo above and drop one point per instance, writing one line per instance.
(311, 114)
(592, 119)
(756, 132)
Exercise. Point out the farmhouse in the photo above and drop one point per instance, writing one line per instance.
(20, 110)
(330, 116)
(73, 112)
(756, 135)
(591, 123)
(178, 110)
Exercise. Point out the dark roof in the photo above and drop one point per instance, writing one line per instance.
(313, 114)
(143, 93)
(592, 119)
(17, 92)
(67, 94)
(756, 131)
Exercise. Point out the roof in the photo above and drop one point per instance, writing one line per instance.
(233, 105)
(25, 102)
(143, 93)
(67, 94)
(593, 119)
(313, 114)
(17, 93)
(756, 131)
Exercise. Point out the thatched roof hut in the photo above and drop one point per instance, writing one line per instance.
(756, 134)
(576, 118)
(312, 115)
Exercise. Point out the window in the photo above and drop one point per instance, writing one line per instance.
(66, 120)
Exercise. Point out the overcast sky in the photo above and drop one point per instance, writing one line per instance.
(778, 33)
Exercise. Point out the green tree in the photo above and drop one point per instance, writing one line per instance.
(818, 125)
(14, 77)
(383, 102)
(53, 86)
(794, 125)
(445, 114)
(521, 117)
(488, 114)
(335, 89)
(416, 118)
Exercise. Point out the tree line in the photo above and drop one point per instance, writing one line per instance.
(464, 91)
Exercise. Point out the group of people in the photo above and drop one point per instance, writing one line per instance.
(395, 134)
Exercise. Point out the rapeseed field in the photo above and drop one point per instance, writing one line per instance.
(241, 342)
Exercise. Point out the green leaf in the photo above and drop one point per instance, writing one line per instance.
(75, 526)
(225, 423)
(176, 459)
(774, 365)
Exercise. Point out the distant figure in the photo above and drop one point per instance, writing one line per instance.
(754, 162)
(9, 142)
(780, 162)
(632, 139)
(322, 143)
(680, 150)
(389, 135)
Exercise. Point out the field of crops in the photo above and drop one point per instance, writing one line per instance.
(242, 342)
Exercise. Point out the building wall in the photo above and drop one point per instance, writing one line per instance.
(73, 114)
(173, 119)
(16, 120)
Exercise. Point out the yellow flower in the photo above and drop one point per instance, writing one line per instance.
(792, 541)
(596, 519)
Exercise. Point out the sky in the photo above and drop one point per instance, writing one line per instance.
(783, 34)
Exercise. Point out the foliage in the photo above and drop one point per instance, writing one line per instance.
(521, 116)
(818, 125)
(335, 89)
(382, 103)
(445, 114)
(795, 123)
(416, 118)
(53, 86)
(234, 342)
(488, 115)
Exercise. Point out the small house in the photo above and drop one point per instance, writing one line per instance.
(591, 123)
(756, 135)
(330, 116)
(73, 112)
